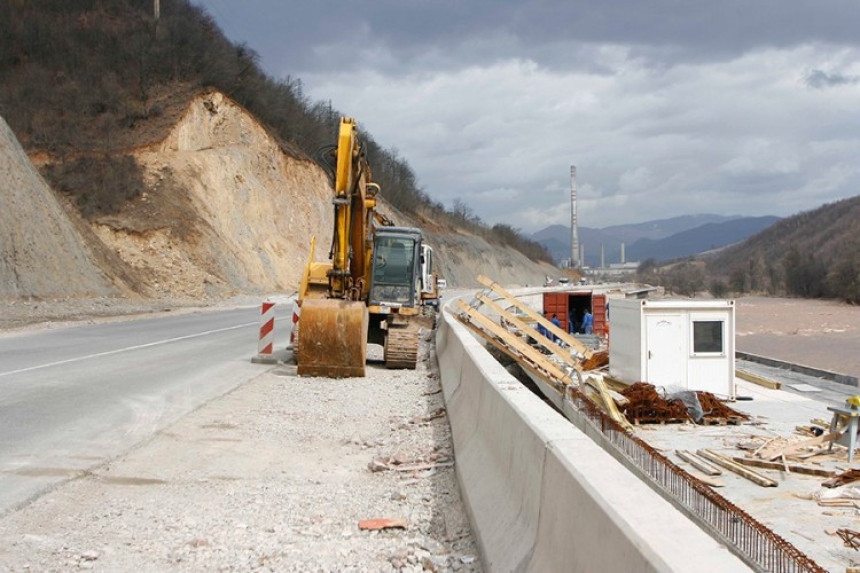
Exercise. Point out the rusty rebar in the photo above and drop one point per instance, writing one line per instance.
(759, 544)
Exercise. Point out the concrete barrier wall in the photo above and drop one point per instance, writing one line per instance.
(541, 495)
(846, 379)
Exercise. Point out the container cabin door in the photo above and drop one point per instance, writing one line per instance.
(598, 311)
(555, 303)
(664, 348)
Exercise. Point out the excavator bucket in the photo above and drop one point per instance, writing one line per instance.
(332, 339)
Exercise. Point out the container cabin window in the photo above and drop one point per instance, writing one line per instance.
(707, 336)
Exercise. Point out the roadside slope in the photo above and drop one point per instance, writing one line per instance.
(42, 254)
(225, 209)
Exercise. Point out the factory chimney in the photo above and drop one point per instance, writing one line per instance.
(622, 254)
(575, 260)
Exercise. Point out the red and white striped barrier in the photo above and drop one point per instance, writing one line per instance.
(267, 329)
(297, 311)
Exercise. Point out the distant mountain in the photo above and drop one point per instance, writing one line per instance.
(663, 228)
(661, 239)
(705, 238)
(810, 254)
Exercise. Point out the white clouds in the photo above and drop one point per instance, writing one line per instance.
(726, 137)
(666, 108)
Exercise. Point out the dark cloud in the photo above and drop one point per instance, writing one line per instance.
(819, 79)
(303, 36)
(667, 107)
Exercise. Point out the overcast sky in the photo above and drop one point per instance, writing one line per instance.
(668, 107)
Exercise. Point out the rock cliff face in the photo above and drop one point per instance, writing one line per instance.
(225, 211)
(42, 253)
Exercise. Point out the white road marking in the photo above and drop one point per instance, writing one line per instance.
(126, 349)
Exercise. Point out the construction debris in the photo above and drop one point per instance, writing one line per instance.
(709, 481)
(597, 360)
(647, 406)
(760, 380)
(843, 478)
(781, 447)
(381, 523)
(714, 408)
(783, 465)
(728, 464)
(558, 357)
(698, 463)
(850, 537)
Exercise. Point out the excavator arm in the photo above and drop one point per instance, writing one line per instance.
(332, 339)
(353, 298)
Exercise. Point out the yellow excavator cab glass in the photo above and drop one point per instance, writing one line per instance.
(392, 281)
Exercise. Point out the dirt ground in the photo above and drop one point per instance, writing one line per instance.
(818, 333)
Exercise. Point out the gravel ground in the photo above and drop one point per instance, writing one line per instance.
(276, 475)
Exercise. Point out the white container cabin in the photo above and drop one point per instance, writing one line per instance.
(684, 343)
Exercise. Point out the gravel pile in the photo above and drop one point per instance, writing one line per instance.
(277, 475)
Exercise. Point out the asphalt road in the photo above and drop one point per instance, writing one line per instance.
(72, 399)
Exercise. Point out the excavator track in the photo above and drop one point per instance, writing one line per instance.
(401, 347)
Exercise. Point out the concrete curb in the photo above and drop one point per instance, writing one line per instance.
(800, 368)
(541, 495)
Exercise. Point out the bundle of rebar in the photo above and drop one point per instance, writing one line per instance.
(645, 403)
(715, 408)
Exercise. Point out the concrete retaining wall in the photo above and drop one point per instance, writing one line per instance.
(540, 494)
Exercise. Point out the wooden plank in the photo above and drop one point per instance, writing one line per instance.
(708, 480)
(615, 383)
(771, 454)
(760, 380)
(796, 468)
(534, 315)
(698, 463)
(728, 464)
(608, 402)
(511, 340)
(544, 341)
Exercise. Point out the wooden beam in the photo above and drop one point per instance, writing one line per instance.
(698, 463)
(760, 380)
(709, 481)
(544, 341)
(796, 468)
(609, 402)
(523, 361)
(615, 383)
(510, 339)
(531, 313)
(728, 464)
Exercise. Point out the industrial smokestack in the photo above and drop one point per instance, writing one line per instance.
(602, 256)
(575, 260)
(622, 254)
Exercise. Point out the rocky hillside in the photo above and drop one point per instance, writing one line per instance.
(812, 254)
(42, 252)
(223, 210)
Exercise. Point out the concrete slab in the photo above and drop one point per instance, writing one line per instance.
(787, 509)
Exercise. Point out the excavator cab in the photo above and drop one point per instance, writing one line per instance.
(393, 280)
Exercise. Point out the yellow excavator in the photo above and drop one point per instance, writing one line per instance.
(370, 290)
